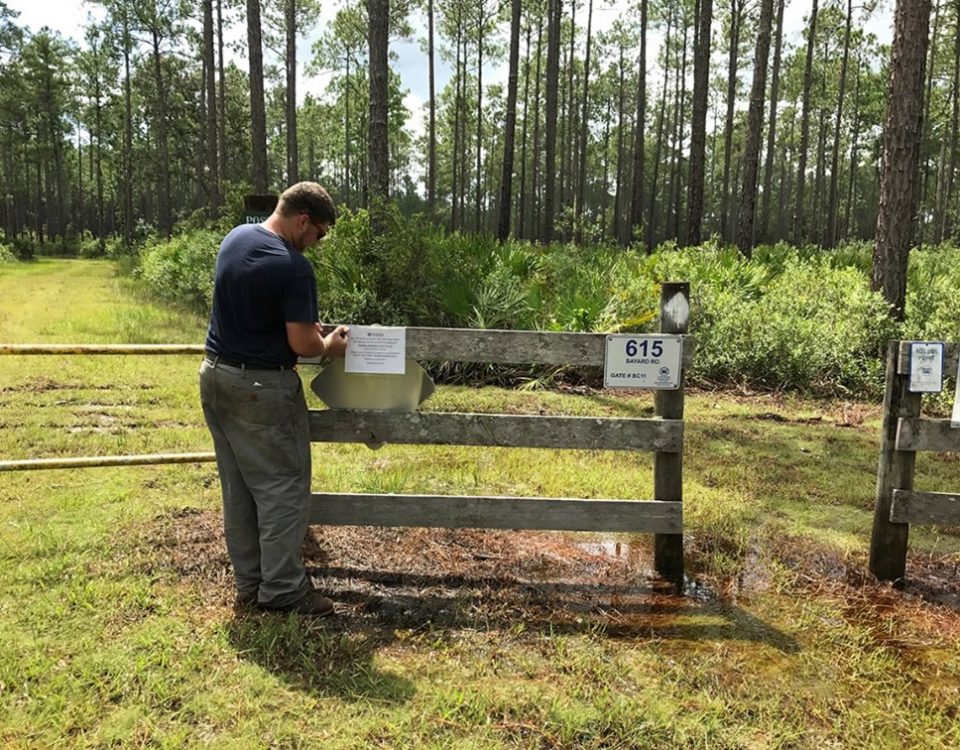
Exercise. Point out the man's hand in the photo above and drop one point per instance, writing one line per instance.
(335, 342)
(307, 340)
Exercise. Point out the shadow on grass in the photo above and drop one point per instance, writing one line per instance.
(639, 609)
(391, 584)
(376, 607)
(318, 657)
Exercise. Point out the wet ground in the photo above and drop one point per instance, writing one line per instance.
(387, 578)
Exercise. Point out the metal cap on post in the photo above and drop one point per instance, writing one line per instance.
(668, 467)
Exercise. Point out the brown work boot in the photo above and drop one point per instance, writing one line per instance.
(313, 603)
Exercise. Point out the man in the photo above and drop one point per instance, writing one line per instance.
(265, 315)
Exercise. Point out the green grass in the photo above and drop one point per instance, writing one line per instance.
(118, 631)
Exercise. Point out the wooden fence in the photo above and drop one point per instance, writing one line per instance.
(662, 435)
(905, 432)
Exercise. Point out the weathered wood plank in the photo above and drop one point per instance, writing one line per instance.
(918, 434)
(510, 347)
(425, 344)
(888, 541)
(925, 507)
(469, 512)
(530, 431)
(668, 467)
(952, 356)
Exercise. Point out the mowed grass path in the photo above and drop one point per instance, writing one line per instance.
(117, 627)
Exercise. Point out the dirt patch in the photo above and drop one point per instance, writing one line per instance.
(921, 610)
(389, 578)
(40, 384)
(770, 416)
(43, 384)
(839, 415)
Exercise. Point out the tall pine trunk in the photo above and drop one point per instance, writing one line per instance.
(620, 227)
(432, 127)
(258, 116)
(736, 22)
(947, 214)
(799, 215)
(925, 144)
(521, 226)
(584, 128)
(674, 205)
(772, 129)
(347, 146)
(506, 180)
(832, 209)
(163, 153)
(378, 164)
(751, 151)
(901, 151)
(209, 70)
(536, 188)
(127, 135)
(293, 156)
(478, 195)
(698, 132)
(651, 224)
(553, 75)
(639, 141)
(567, 137)
(854, 143)
(222, 124)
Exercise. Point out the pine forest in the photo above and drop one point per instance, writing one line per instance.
(583, 120)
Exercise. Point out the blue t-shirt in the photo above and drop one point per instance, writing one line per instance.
(260, 284)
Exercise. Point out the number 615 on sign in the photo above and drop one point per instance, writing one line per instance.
(642, 361)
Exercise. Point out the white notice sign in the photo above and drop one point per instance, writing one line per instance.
(926, 367)
(376, 349)
(955, 418)
(642, 361)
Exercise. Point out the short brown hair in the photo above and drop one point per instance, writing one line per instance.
(308, 198)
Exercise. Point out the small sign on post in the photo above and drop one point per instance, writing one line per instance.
(955, 415)
(926, 367)
(642, 361)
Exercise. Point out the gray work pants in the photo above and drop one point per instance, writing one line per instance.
(258, 419)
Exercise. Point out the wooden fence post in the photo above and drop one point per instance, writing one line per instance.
(668, 467)
(888, 542)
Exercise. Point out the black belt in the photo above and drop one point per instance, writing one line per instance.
(216, 359)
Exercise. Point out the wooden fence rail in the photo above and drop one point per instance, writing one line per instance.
(662, 435)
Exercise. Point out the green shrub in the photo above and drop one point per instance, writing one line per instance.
(180, 270)
(90, 246)
(933, 305)
(815, 327)
(23, 248)
(797, 318)
(344, 289)
(6, 253)
(409, 275)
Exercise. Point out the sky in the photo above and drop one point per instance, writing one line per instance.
(69, 18)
